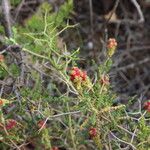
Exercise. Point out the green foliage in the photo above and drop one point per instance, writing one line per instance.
(15, 2)
(3, 73)
(143, 134)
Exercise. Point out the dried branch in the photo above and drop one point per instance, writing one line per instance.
(6, 17)
(138, 10)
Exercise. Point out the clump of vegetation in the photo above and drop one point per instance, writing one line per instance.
(53, 103)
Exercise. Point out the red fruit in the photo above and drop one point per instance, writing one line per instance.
(1, 102)
(84, 75)
(93, 132)
(1, 58)
(147, 106)
(41, 123)
(55, 148)
(111, 43)
(76, 69)
(77, 73)
(10, 124)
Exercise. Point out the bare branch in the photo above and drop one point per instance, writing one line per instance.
(135, 3)
(6, 17)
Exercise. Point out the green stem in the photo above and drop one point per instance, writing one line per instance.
(71, 130)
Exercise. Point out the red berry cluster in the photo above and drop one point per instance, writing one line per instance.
(93, 132)
(55, 148)
(147, 106)
(1, 102)
(1, 58)
(111, 43)
(41, 123)
(10, 124)
(77, 73)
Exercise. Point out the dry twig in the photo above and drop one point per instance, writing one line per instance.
(138, 10)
